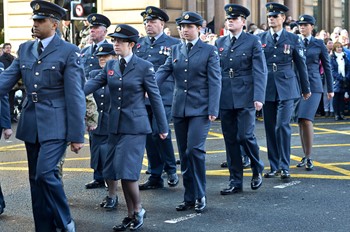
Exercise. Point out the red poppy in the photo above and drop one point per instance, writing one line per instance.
(221, 49)
(138, 45)
(263, 45)
(110, 72)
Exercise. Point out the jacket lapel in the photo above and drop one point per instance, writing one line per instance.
(283, 37)
(34, 50)
(130, 66)
(240, 40)
(51, 47)
(195, 48)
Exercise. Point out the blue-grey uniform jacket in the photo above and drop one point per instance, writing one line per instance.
(55, 104)
(197, 79)
(287, 72)
(128, 114)
(243, 70)
(314, 52)
(157, 54)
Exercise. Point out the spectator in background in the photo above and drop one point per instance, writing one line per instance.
(224, 31)
(7, 60)
(205, 30)
(263, 26)
(335, 34)
(167, 31)
(341, 75)
(66, 30)
(327, 103)
(84, 34)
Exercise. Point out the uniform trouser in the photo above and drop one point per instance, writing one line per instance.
(98, 151)
(160, 152)
(277, 116)
(49, 202)
(191, 133)
(238, 127)
(2, 201)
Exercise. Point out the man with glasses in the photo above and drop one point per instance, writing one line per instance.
(155, 48)
(285, 59)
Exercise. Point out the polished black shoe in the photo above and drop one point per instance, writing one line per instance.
(271, 174)
(173, 180)
(256, 182)
(302, 162)
(110, 203)
(124, 225)
(224, 164)
(95, 184)
(285, 175)
(185, 206)
(231, 190)
(309, 165)
(151, 185)
(137, 222)
(200, 205)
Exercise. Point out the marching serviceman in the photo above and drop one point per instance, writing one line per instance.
(316, 54)
(155, 48)
(285, 59)
(98, 31)
(129, 78)
(99, 136)
(244, 76)
(195, 66)
(55, 107)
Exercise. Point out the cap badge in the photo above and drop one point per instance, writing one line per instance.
(149, 10)
(93, 18)
(100, 49)
(37, 7)
(118, 29)
(230, 9)
(301, 18)
(186, 16)
(271, 6)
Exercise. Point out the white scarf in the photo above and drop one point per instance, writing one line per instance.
(341, 63)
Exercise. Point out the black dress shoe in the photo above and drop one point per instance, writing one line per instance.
(95, 184)
(302, 162)
(173, 180)
(200, 205)
(256, 182)
(231, 190)
(185, 206)
(270, 174)
(151, 185)
(224, 164)
(309, 165)
(124, 225)
(110, 203)
(285, 175)
(137, 222)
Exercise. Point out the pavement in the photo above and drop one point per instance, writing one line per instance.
(315, 200)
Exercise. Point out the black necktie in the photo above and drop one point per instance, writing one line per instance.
(94, 49)
(275, 38)
(122, 65)
(306, 42)
(233, 40)
(152, 40)
(189, 46)
(39, 48)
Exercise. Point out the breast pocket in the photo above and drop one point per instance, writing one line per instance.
(51, 74)
(26, 71)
